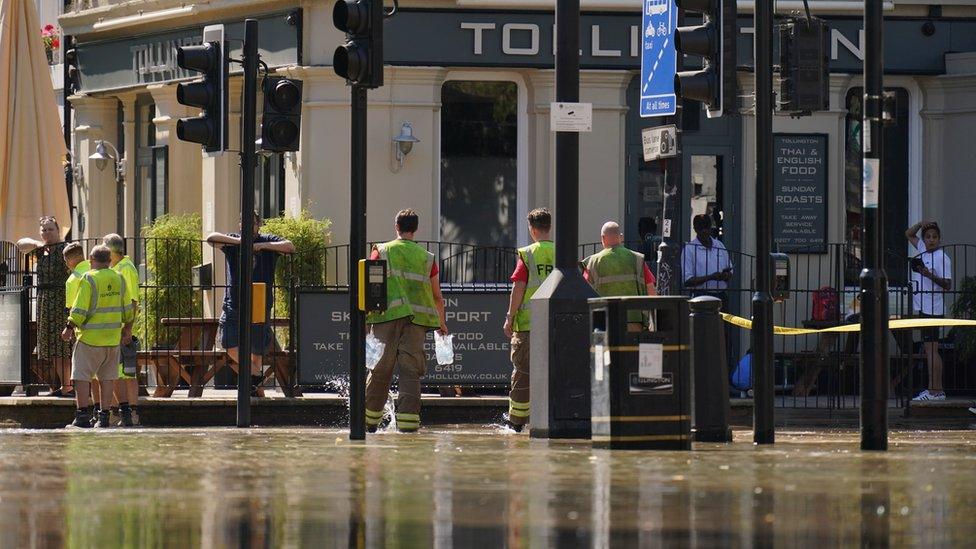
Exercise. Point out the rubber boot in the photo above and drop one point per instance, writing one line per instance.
(103, 419)
(125, 413)
(82, 419)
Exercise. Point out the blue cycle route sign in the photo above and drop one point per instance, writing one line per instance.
(657, 98)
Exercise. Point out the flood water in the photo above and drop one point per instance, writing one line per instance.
(477, 487)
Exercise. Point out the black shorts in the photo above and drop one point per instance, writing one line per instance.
(930, 334)
(230, 333)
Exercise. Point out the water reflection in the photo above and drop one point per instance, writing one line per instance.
(476, 488)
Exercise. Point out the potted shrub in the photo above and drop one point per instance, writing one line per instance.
(172, 248)
(306, 267)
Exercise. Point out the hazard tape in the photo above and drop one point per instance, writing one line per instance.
(897, 324)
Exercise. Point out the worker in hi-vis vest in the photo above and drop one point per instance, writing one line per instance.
(414, 307)
(103, 316)
(126, 387)
(618, 271)
(533, 266)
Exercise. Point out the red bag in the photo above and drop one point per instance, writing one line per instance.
(825, 302)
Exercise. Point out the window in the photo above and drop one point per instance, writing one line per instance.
(269, 193)
(895, 181)
(479, 162)
(151, 167)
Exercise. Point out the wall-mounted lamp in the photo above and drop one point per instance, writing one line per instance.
(102, 155)
(403, 143)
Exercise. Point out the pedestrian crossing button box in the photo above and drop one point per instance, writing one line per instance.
(781, 277)
(372, 285)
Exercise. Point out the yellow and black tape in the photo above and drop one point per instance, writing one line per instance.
(896, 324)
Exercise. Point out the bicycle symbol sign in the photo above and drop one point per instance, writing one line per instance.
(657, 98)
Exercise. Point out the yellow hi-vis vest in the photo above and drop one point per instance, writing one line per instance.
(101, 308)
(539, 259)
(617, 271)
(408, 289)
(130, 274)
(74, 281)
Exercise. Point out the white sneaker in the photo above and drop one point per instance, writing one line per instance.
(927, 396)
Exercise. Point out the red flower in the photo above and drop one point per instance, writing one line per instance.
(49, 27)
(55, 43)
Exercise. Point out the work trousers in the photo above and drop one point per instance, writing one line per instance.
(403, 351)
(518, 398)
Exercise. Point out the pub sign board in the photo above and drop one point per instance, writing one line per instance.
(481, 350)
(800, 192)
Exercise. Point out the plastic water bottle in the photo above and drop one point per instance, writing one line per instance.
(444, 348)
(374, 351)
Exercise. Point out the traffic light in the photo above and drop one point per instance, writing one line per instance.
(208, 94)
(360, 59)
(804, 50)
(714, 41)
(281, 122)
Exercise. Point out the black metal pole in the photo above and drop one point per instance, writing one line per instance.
(762, 301)
(669, 251)
(874, 281)
(244, 276)
(567, 143)
(357, 251)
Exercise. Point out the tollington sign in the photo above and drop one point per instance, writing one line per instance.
(151, 58)
(613, 40)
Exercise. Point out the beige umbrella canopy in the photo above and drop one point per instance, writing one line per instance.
(31, 141)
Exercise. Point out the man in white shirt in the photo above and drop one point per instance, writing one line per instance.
(705, 263)
(931, 277)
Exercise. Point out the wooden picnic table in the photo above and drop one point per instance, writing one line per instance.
(195, 360)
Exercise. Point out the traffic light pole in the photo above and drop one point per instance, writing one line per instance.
(669, 251)
(762, 301)
(357, 251)
(244, 276)
(874, 281)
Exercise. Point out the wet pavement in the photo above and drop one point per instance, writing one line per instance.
(477, 486)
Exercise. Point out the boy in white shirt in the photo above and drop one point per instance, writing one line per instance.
(931, 277)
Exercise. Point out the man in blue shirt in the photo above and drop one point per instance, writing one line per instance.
(266, 250)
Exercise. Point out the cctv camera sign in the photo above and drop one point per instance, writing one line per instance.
(660, 142)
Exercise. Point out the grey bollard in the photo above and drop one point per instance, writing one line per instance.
(712, 411)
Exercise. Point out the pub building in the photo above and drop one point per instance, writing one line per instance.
(473, 80)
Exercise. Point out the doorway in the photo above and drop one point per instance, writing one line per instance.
(712, 182)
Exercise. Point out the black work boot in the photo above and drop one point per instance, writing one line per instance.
(125, 413)
(507, 421)
(93, 414)
(82, 419)
(103, 419)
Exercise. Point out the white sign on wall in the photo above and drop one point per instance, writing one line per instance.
(571, 117)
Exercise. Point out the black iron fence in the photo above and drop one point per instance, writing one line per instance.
(183, 289)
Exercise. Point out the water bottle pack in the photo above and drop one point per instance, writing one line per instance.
(374, 351)
(444, 348)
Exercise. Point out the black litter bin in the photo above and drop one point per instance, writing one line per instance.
(640, 377)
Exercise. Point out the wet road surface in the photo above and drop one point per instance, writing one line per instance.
(478, 487)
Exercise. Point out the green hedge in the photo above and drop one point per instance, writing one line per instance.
(172, 250)
(307, 266)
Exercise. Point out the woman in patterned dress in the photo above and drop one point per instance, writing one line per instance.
(53, 354)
